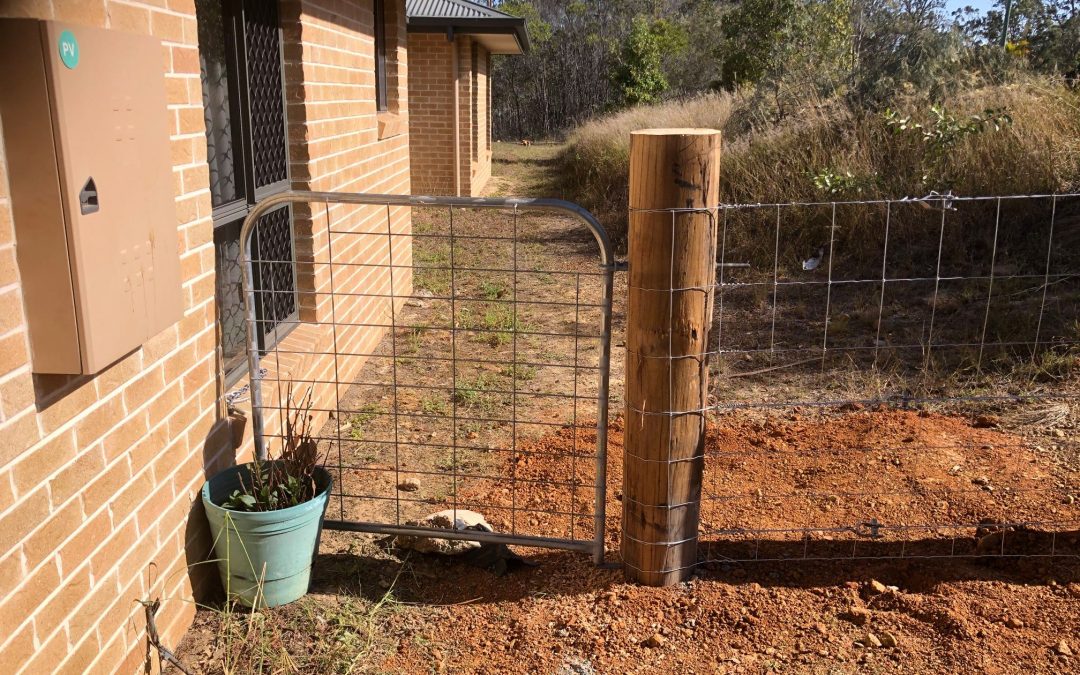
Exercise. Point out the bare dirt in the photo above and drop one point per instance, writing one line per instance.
(835, 539)
(970, 613)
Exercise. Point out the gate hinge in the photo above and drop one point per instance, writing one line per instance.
(617, 266)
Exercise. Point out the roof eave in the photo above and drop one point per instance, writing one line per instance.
(510, 26)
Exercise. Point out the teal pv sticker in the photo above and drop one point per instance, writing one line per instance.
(69, 49)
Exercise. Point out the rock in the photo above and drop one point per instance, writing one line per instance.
(875, 587)
(409, 485)
(982, 481)
(1058, 433)
(820, 628)
(576, 666)
(654, 641)
(872, 640)
(857, 616)
(888, 640)
(449, 519)
(1063, 649)
(987, 422)
(420, 304)
(1012, 622)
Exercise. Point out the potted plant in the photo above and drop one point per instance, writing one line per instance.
(266, 516)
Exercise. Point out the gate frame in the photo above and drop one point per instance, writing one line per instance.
(608, 265)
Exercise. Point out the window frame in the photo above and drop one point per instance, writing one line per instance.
(382, 98)
(227, 214)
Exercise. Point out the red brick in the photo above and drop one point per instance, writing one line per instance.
(13, 351)
(52, 652)
(30, 512)
(75, 477)
(21, 647)
(37, 465)
(10, 571)
(121, 440)
(100, 419)
(56, 611)
(17, 395)
(90, 534)
(105, 486)
(81, 656)
(25, 601)
(134, 492)
(47, 538)
(116, 545)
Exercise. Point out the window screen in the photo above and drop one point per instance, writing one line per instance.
(246, 139)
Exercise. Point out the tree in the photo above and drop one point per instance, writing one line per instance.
(1043, 33)
(639, 74)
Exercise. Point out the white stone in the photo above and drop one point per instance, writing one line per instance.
(460, 520)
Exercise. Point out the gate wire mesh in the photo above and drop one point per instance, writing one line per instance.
(457, 351)
(894, 379)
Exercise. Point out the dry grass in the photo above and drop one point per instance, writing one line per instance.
(776, 161)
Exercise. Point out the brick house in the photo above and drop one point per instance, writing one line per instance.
(451, 43)
(102, 455)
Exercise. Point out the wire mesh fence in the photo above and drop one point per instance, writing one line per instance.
(894, 379)
(443, 341)
(887, 379)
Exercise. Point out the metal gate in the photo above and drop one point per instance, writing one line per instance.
(457, 353)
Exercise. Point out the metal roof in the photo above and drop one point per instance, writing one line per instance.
(452, 9)
(505, 33)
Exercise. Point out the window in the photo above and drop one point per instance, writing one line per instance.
(244, 104)
(381, 98)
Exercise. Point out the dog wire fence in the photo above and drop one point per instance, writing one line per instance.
(443, 341)
(886, 378)
(894, 379)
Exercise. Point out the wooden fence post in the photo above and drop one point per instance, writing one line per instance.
(674, 192)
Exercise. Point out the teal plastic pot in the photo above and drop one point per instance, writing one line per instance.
(264, 558)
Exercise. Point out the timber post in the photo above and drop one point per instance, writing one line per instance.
(674, 197)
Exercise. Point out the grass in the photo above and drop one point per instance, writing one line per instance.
(285, 639)
(414, 337)
(775, 162)
(359, 421)
(427, 255)
(493, 290)
(494, 326)
(472, 393)
(434, 405)
(519, 372)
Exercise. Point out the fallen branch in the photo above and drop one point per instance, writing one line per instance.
(165, 655)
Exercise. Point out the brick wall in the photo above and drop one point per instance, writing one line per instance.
(341, 143)
(431, 97)
(99, 476)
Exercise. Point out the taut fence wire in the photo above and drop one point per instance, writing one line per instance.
(894, 379)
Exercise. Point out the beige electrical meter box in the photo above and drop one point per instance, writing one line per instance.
(86, 138)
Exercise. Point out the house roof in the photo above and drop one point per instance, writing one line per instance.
(498, 31)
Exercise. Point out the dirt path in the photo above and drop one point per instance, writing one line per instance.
(499, 350)
(784, 483)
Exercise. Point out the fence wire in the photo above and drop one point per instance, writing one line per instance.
(894, 379)
(458, 353)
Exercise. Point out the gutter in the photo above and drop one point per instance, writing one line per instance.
(509, 26)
